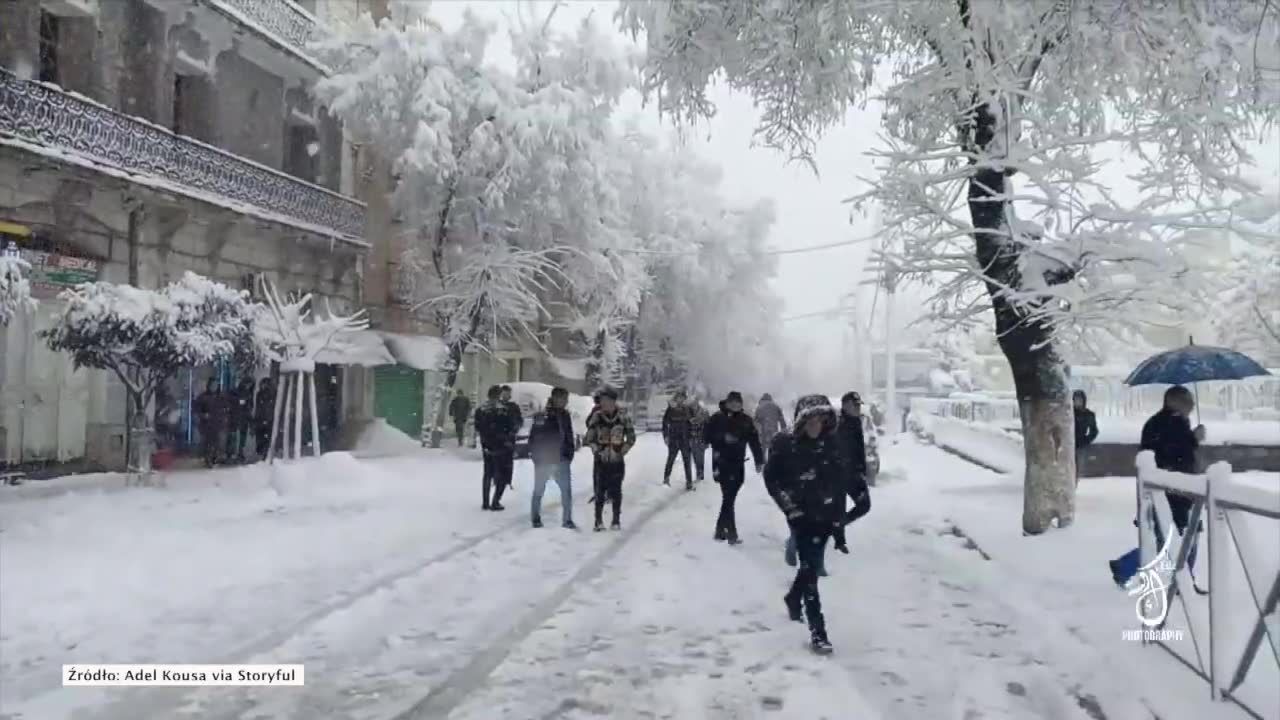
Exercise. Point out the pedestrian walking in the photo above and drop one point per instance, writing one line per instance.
(595, 466)
(853, 450)
(675, 433)
(460, 411)
(806, 477)
(729, 433)
(494, 425)
(698, 418)
(769, 421)
(1169, 435)
(1086, 429)
(552, 446)
(610, 437)
(211, 411)
(264, 409)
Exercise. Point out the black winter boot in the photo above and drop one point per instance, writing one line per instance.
(793, 607)
(819, 643)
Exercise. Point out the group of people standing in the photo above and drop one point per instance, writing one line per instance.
(225, 417)
(498, 421)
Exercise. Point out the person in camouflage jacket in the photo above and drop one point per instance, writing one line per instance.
(610, 435)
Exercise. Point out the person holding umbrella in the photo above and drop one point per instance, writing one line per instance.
(1168, 433)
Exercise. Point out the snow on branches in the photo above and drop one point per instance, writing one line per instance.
(15, 290)
(145, 336)
(1026, 114)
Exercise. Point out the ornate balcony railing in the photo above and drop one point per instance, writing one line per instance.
(282, 22)
(72, 126)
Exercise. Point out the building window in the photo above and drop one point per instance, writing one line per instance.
(48, 47)
(302, 151)
(191, 102)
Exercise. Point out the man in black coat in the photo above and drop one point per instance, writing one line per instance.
(241, 408)
(807, 476)
(729, 433)
(212, 413)
(460, 411)
(675, 432)
(264, 409)
(552, 446)
(497, 430)
(1086, 428)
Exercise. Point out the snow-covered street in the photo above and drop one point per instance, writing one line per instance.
(404, 600)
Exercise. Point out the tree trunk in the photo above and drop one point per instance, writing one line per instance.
(139, 436)
(450, 379)
(1038, 371)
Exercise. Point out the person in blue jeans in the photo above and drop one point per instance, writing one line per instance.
(1169, 435)
(552, 446)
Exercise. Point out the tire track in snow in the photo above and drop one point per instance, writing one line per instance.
(464, 681)
(165, 702)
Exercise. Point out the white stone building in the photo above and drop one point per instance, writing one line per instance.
(143, 138)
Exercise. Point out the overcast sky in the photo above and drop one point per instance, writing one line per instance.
(809, 207)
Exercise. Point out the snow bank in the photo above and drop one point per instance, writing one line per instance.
(986, 443)
(380, 438)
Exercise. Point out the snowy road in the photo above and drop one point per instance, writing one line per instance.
(440, 611)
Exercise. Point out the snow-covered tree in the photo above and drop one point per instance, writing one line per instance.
(288, 332)
(501, 176)
(145, 336)
(1009, 110)
(15, 290)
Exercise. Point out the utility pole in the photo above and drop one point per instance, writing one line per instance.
(887, 273)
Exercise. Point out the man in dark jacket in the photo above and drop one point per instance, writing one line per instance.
(263, 411)
(675, 432)
(610, 437)
(729, 433)
(1168, 434)
(497, 430)
(769, 421)
(806, 476)
(241, 410)
(595, 466)
(1086, 428)
(460, 411)
(211, 411)
(552, 445)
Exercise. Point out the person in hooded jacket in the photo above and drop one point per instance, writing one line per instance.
(264, 408)
(552, 446)
(769, 421)
(729, 433)
(853, 448)
(807, 477)
(675, 432)
(497, 429)
(1086, 428)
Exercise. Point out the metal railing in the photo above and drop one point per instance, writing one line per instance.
(69, 124)
(1220, 503)
(281, 22)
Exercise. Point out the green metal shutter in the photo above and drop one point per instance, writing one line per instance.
(397, 397)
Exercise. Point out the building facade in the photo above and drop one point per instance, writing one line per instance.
(143, 138)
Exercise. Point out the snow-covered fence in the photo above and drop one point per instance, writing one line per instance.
(1239, 519)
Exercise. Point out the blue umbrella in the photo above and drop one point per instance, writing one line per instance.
(1193, 364)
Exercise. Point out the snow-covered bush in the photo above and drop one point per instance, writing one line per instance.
(15, 290)
(1020, 116)
(145, 336)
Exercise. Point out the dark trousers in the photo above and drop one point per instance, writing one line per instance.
(811, 544)
(211, 442)
(699, 459)
(683, 452)
(262, 438)
(461, 427)
(730, 479)
(236, 439)
(498, 467)
(609, 486)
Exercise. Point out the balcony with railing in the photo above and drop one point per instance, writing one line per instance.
(280, 22)
(49, 121)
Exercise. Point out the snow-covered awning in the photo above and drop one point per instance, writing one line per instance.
(421, 352)
(364, 348)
